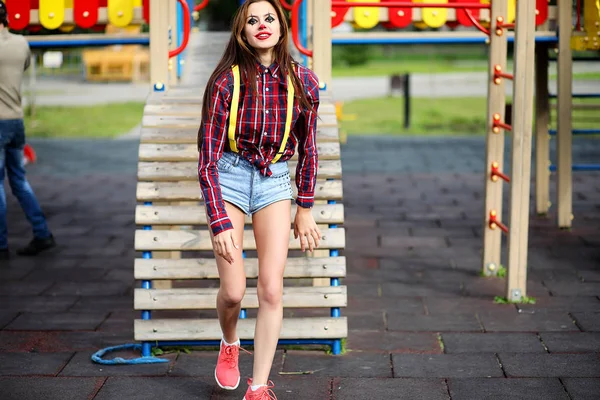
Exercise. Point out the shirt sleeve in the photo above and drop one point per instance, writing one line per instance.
(212, 139)
(306, 170)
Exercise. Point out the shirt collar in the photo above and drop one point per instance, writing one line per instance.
(273, 70)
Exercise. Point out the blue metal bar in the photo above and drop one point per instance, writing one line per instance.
(579, 131)
(580, 95)
(41, 44)
(304, 30)
(426, 40)
(336, 348)
(580, 167)
(179, 38)
(243, 312)
(146, 314)
(246, 342)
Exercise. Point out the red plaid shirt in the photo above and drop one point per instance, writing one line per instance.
(259, 132)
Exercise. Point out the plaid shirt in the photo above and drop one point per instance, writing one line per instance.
(259, 132)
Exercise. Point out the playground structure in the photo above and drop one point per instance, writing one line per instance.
(177, 269)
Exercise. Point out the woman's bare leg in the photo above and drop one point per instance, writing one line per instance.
(232, 279)
(271, 231)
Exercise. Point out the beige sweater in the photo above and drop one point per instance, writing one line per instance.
(14, 60)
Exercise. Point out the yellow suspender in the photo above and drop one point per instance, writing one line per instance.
(235, 102)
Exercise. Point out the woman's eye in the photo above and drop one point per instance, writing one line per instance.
(252, 21)
(270, 19)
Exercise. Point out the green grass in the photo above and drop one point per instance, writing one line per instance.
(454, 116)
(391, 67)
(98, 121)
(435, 116)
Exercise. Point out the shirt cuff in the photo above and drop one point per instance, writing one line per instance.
(221, 226)
(305, 200)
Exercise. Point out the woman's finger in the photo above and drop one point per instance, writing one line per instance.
(316, 237)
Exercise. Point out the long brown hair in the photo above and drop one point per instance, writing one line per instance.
(239, 52)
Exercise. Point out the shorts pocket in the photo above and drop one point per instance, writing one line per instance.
(224, 165)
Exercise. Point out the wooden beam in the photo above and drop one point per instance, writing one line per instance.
(564, 190)
(159, 44)
(494, 145)
(521, 151)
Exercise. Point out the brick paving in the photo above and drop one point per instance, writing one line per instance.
(423, 324)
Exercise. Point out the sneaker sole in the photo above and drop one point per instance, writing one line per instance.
(227, 387)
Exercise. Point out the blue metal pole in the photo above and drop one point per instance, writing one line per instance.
(580, 167)
(304, 30)
(179, 38)
(146, 314)
(579, 131)
(243, 314)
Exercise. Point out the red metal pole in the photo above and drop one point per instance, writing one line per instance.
(295, 27)
(186, 29)
(201, 5)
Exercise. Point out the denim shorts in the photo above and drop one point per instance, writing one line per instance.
(244, 186)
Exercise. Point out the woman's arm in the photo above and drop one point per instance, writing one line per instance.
(306, 170)
(213, 137)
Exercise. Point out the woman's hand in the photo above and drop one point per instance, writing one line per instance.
(224, 243)
(306, 228)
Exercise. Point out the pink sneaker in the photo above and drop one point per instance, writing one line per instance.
(227, 372)
(262, 393)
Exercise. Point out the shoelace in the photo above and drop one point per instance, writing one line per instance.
(268, 394)
(230, 353)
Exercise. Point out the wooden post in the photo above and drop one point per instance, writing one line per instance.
(492, 238)
(542, 138)
(322, 40)
(173, 38)
(521, 150)
(564, 190)
(159, 44)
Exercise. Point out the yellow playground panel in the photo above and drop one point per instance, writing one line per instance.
(588, 37)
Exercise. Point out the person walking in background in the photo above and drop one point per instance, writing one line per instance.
(14, 60)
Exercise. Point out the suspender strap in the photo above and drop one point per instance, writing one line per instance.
(235, 103)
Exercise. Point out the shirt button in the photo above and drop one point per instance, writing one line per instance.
(267, 111)
(267, 89)
(264, 133)
(274, 76)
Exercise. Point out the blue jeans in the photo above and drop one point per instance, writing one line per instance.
(12, 141)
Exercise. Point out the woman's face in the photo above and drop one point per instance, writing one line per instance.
(262, 28)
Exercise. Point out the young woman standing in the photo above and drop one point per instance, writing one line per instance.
(258, 106)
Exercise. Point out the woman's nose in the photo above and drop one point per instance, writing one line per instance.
(262, 26)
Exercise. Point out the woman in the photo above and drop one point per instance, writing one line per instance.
(243, 170)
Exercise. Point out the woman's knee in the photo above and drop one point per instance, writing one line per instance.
(270, 292)
(232, 295)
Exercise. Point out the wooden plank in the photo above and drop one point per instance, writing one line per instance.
(193, 121)
(162, 240)
(564, 135)
(190, 191)
(187, 108)
(189, 152)
(206, 268)
(190, 135)
(196, 215)
(542, 121)
(177, 171)
(205, 298)
(521, 151)
(209, 329)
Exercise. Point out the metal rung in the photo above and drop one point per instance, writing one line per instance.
(579, 131)
(580, 167)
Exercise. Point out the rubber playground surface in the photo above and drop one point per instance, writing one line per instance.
(422, 322)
